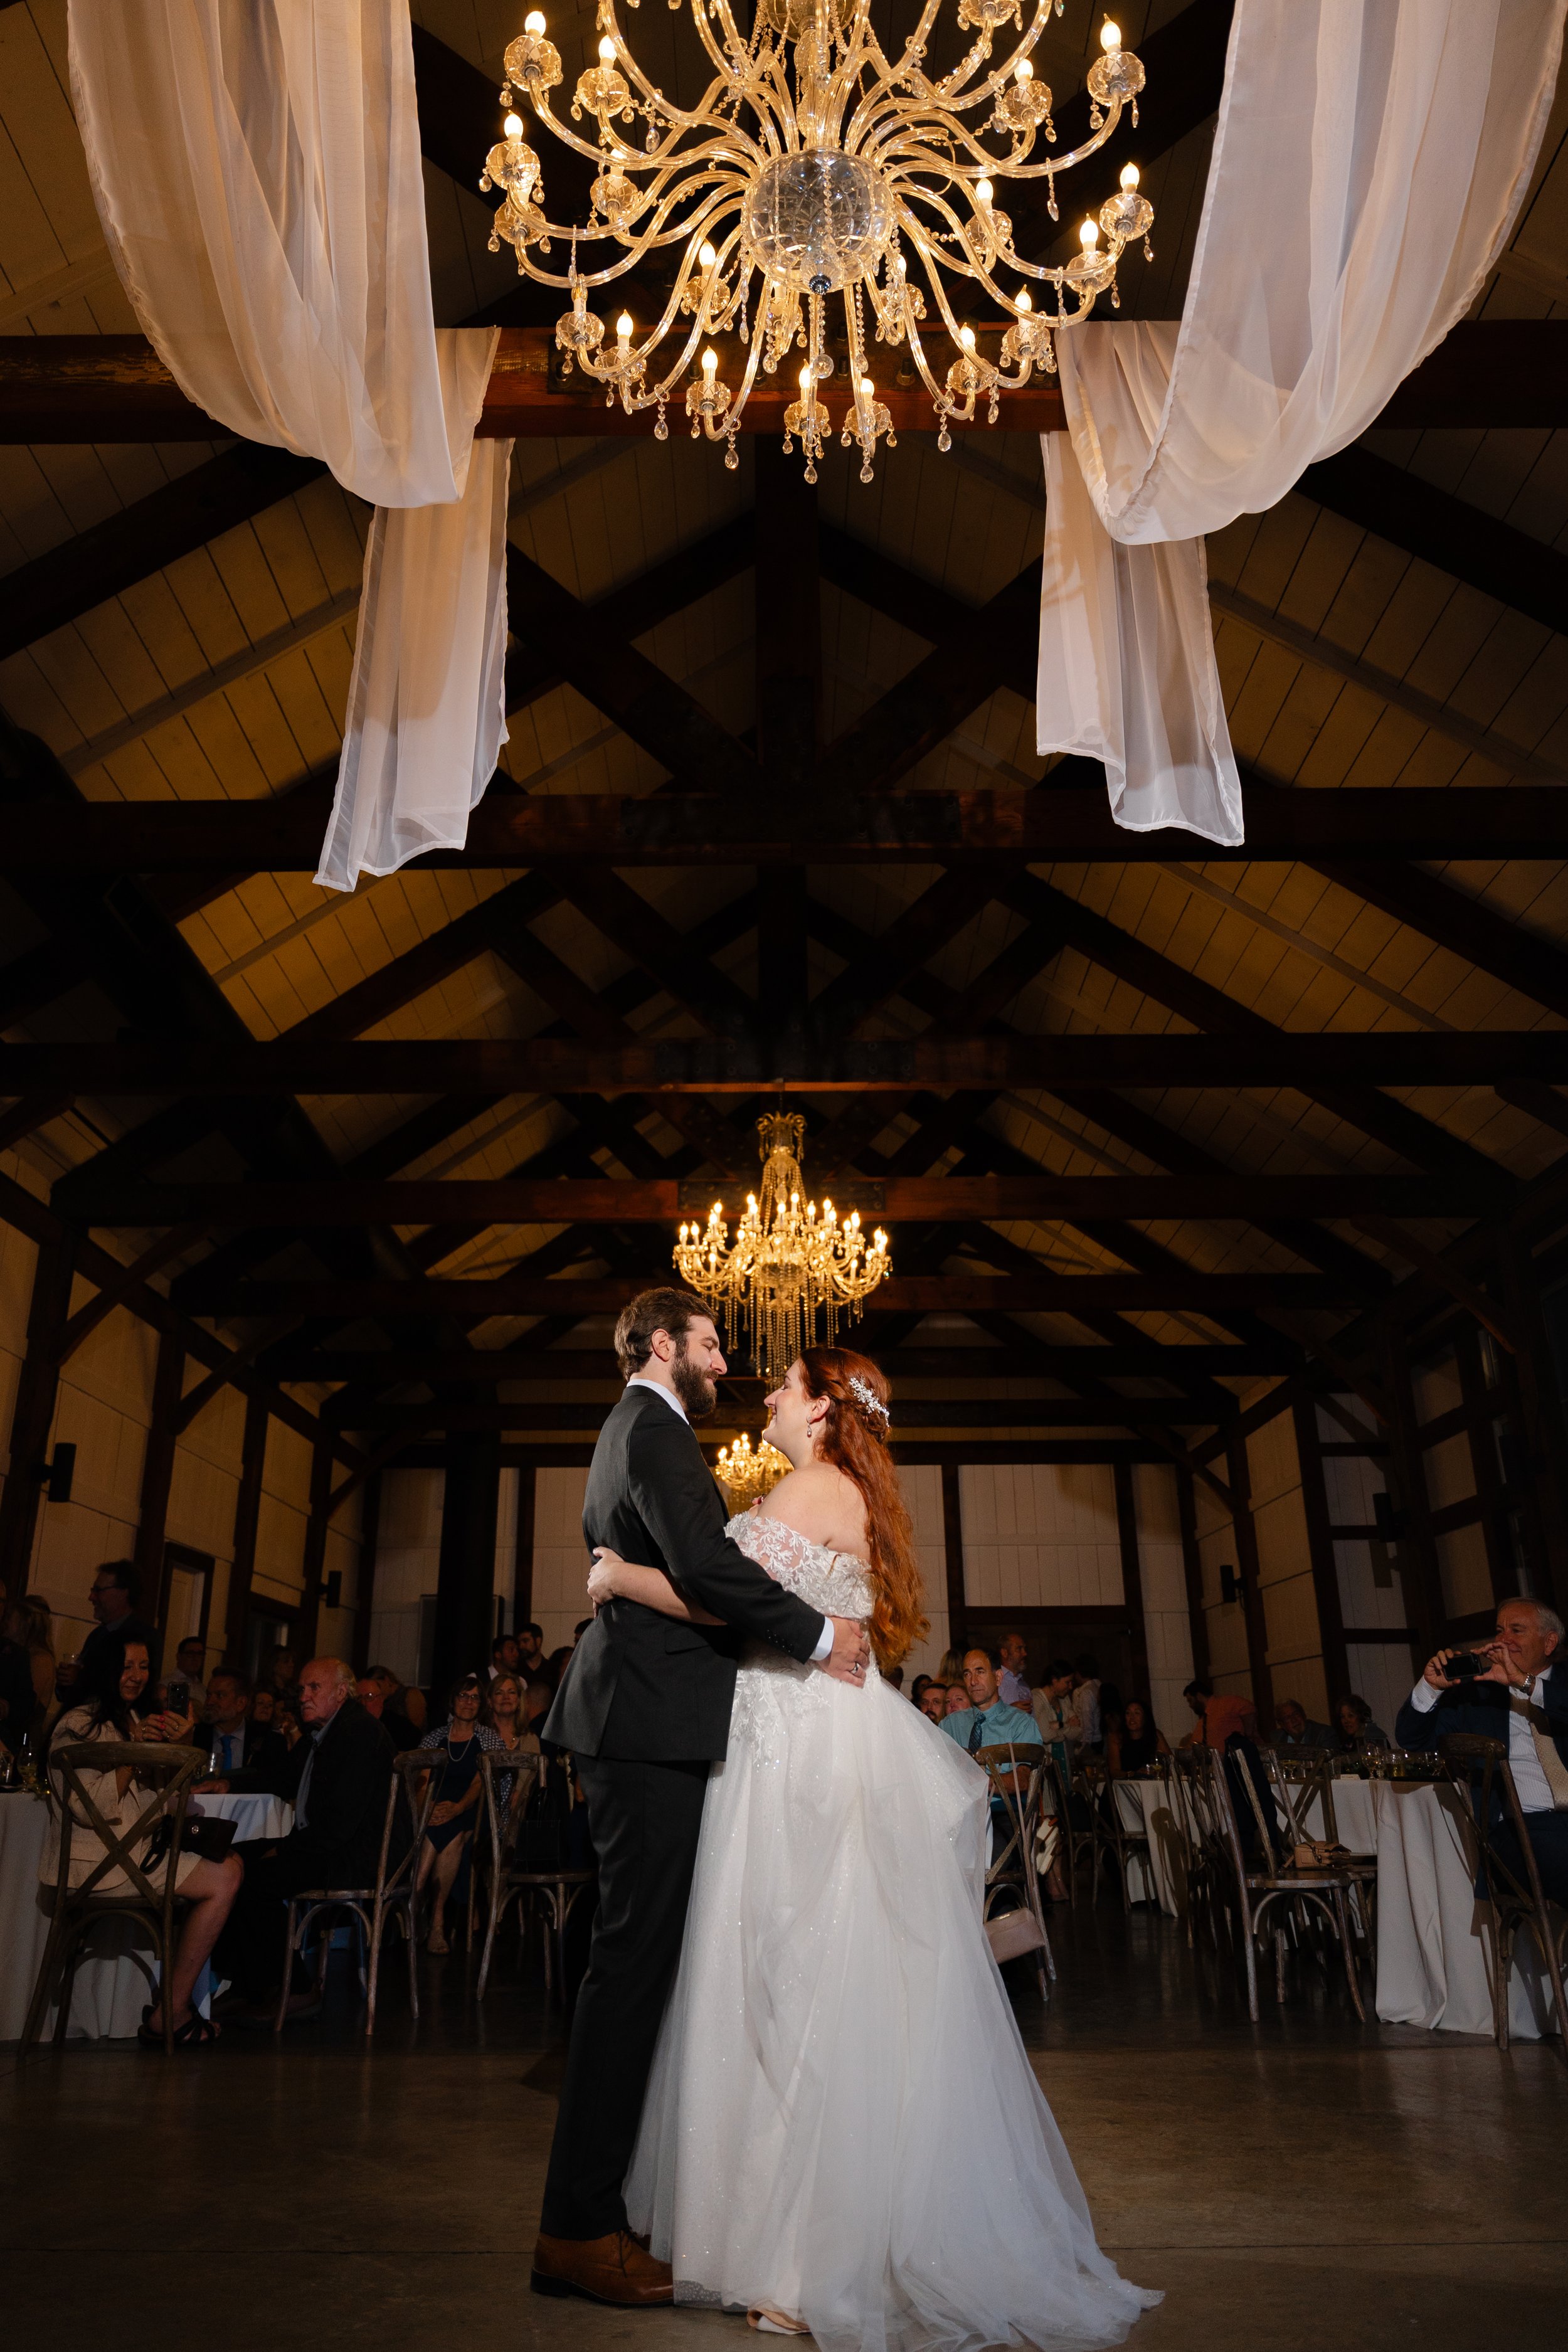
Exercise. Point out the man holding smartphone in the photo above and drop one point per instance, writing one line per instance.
(1514, 1688)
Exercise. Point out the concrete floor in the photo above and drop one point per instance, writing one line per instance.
(1307, 2183)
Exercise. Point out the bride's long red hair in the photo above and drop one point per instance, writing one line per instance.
(854, 1438)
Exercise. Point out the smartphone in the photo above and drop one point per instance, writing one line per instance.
(177, 1697)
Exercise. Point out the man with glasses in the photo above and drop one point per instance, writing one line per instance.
(116, 1595)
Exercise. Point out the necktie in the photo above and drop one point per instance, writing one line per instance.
(976, 1733)
(1551, 1764)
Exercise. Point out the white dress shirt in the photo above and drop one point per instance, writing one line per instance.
(1534, 1789)
(824, 1643)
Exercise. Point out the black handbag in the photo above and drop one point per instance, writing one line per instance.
(198, 1834)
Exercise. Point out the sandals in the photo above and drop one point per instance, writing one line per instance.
(774, 2323)
(196, 2031)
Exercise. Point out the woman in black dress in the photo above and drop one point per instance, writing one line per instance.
(455, 1749)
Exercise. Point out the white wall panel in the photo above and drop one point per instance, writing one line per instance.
(1039, 1536)
(560, 1555)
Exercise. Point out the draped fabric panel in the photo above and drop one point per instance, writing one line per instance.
(1369, 162)
(257, 170)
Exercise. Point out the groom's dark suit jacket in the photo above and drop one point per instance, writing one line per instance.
(640, 1684)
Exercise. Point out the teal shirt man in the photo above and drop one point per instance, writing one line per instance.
(988, 1721)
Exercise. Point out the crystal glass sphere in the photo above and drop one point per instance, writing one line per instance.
(817, 221)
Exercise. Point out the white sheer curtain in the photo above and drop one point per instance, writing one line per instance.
(257, 170)
(1369, 161)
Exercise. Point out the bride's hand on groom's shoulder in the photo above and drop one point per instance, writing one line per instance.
(850, 1654)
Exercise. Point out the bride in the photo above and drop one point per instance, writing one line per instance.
(843, 2136)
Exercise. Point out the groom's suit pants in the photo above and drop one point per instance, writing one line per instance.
(646, 1819)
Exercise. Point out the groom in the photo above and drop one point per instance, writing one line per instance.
(645, 1709)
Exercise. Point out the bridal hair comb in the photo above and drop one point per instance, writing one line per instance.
(870, 1404)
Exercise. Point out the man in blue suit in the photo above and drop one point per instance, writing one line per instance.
(1522, 1698)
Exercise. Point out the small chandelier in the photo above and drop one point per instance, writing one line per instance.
(814, 164)
(791, 1272)
(747, 1472)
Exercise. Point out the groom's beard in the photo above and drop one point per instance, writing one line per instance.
(692, 1386)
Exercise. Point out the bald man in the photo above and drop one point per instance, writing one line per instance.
(336, 1777)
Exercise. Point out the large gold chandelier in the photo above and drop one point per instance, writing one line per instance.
(791, 1272)
(814, 164)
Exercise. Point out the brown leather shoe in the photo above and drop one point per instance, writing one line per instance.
(603, 2269)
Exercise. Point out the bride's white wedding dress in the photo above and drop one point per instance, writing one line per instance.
(841, 2121)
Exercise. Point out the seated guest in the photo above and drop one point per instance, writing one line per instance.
(1294, 1727)
(1358, 1733)
(1086, 1701)
(233, 1739)
(455, 1746)
(190, 1664)
(371, 1696)
(503, 1654)
(1014, 1652)
(107, 1695)
(1217, 1717)
(918, 1689)
(1053, 1712)
(115, 1596)
(1521, 1696)
(1133, 1739)
(337, 1782)
(28, 1623)
(18, 1699)
(951, 1668)
(895, 1676)
(537, 1699)
(282, 1678)
(530, 1653)
(932, 1700)
(505, 1714)
(268, 1716)
(398, 1699)
(957, 1700)
(988, 1721)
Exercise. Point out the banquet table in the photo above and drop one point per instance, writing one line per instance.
(118, 1972)
(1435, 1948)
(1145, 1808)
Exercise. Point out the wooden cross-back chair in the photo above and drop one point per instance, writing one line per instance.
(1072, 1840)
(1300, 1780)
(1480, 1769)
(555, 1888)
(1011, 1866)
(1280, 1886)
(393, 1895)
(166, 1773)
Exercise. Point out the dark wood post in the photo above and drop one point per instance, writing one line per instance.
(1485, 1467)
(316, 1527)
(365, 1582)
(1131, 1577)
(1192, 1570)
(953, 1545)
(464, 1578)
(1247, 1570)
(1321, 1550)
(34, 1411)
(1541, 1412)
(522, 1549)
(157, 1477)
(247, 1520)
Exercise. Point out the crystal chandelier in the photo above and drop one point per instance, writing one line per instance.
(814, 164)
(791, 1272)
(747, 1472)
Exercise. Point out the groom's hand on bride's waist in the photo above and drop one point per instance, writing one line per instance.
(850, 1654)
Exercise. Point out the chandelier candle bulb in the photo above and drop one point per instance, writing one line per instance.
(816, 164)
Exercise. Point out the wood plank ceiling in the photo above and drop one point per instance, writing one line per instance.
(1265, 1139)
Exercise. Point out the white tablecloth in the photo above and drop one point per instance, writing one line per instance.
(1145, 1807)
(1435, 1948)
(117, 1975)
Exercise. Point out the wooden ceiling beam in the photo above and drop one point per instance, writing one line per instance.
(73, 389)
(1057, 822)
(957, 1412)
(478, 1299)
(1310, 1061)
(1023, 1357)
(664, 1201)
